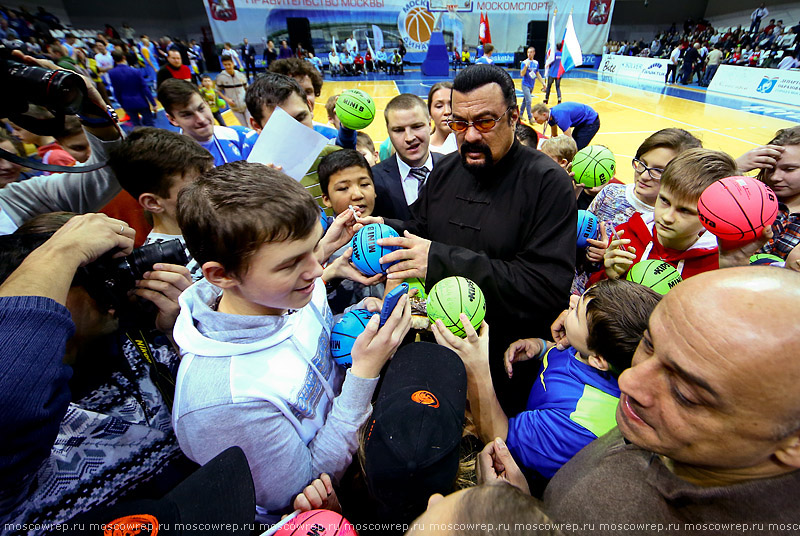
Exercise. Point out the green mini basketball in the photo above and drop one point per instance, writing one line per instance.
(764, 258)
(419, 284)
(355, 109)
(594, 166)
(658, 275)
(455, 295)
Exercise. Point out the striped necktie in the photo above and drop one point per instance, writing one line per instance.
(419, 173)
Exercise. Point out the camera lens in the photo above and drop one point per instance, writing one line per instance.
(55, 90)
(143, 258)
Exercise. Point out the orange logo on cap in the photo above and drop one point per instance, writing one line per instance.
(426, 398)
(143, 524)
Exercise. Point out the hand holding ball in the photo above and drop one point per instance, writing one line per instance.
(737, 209)
(366, 251)
(355, 109)
(345, 333)
(455, 295)
(594, 165)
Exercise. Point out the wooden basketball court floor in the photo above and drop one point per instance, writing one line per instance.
(629, 111)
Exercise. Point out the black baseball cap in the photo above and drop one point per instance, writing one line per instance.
(412, 448)
(217, 499)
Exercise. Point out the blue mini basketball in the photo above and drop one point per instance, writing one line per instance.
(344, 334)
(587, 227)
(366, 251)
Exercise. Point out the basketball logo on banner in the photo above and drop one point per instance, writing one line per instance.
(415, 24)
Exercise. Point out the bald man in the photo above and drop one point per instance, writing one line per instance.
(708, 421)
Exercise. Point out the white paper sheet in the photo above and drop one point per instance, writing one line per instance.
(288, 143)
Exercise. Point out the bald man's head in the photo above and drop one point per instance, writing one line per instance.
(713, 384)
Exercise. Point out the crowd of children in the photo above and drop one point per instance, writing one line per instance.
(270, 269)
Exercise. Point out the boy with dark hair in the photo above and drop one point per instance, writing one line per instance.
(675, 234)
(366, 147)
(273, 90)
(212, 96)
(575, 397)
(526, 135)
(306, 75)
(256, 369)
(346, 180)
(233, 85)
(73, 139)
(400, 178)
(153, 165)
(310, 80)
(187, 109)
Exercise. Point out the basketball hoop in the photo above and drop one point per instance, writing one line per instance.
(451, 10)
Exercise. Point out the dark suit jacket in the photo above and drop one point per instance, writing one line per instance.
(391, 201)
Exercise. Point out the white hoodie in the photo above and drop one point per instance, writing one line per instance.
(268, 385)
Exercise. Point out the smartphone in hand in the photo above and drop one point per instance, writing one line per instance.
(390, 301)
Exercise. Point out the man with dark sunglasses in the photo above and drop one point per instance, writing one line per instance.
(498, 213)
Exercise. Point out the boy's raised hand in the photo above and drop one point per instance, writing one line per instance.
(495, 464)
(342, 268)
(557, 328)
(521, 350)
(741, 255)
(597, 247)
(318, 494)
(375, 346)
(473, 350)
(618, 261)
(163, 286)
(340, 233)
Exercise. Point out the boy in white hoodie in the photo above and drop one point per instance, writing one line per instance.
(254, 335)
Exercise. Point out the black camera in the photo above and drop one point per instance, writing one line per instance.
(60, 92)
(109, 280)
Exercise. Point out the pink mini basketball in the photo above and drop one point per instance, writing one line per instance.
(319, 523)
(737, 209)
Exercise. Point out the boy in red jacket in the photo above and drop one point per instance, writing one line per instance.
(674, 234)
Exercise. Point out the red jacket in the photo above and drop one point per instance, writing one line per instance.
(702, 256)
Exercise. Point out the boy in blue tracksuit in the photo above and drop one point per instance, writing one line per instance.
(575, 396)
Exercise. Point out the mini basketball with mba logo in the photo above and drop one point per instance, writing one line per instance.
(366, 251)
(737, 209)
(594, 165)
(345, 333)
(587, 227)
(317, 523)
(355, 109)
(455, 295)
(659, 275)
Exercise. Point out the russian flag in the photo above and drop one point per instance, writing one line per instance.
(571, 54)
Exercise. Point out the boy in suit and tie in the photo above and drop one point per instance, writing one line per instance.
(399, 179)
